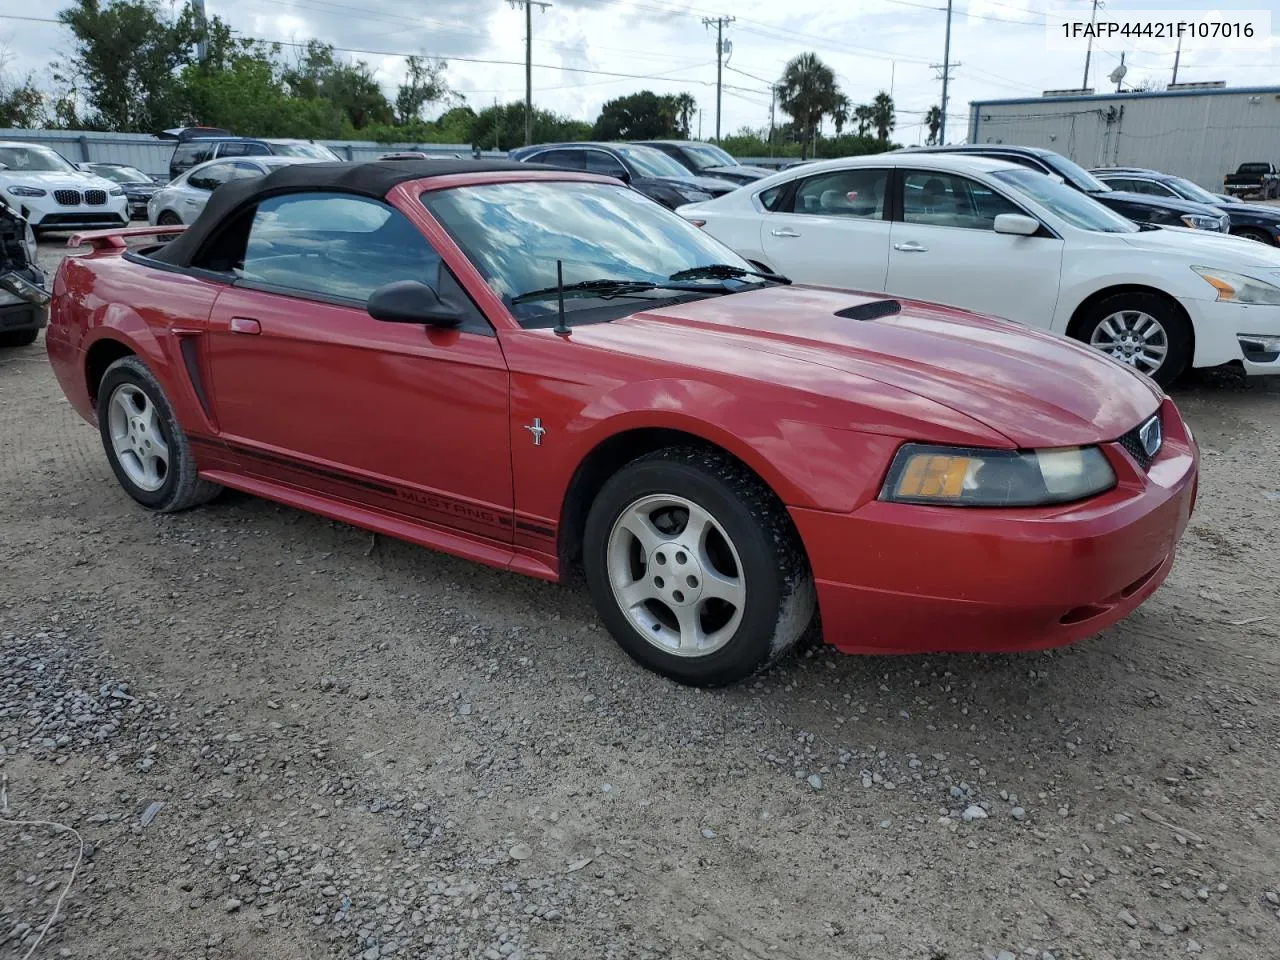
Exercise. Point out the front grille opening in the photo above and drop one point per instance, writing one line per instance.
(1133, 443)
(95, 198)
(67, 198)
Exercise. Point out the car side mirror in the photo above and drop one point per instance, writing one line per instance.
(1016, 224)
(411, 301)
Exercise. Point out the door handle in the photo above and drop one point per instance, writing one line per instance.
(785, 232)
(245, 325)
(910, 246)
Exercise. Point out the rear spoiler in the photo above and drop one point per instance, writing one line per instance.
(115, 239)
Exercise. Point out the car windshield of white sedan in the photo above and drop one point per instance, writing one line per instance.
(515, 232)
(653, 163)
(705, 155)
(1078, 209)
(34, 160)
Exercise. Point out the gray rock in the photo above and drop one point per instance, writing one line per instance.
(1018, 813)
(974, 812)
(708, 833)
(1127, 918)
(1193, 946)
(815, 781)
(521, 851)
(231, 906)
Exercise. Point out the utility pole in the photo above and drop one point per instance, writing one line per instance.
(1121, 80)
(1093, 18)
(720, 23)
(945, 75)
(773, 96)
(1176, 57)
(202, 44)
(528, 61)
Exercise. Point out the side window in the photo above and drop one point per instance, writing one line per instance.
(244, 170)
(569, 159)
(600, 162)
(212, 176)
(342, 247)
(1153, 188)
(770, 197)
(1119, 183)
(937, 199)
(855, 193)
(257, 150)
(231, 148)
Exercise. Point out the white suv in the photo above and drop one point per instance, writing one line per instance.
(52, 194)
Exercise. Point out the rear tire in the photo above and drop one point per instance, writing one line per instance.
(145, 445)
(18, 338)
(704, 609)
(1132, 327)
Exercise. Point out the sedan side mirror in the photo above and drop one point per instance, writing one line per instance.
(411, 301)
(1016, 224)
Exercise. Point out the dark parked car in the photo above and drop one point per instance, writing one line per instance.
(198, 145)
(645, 169)
(23, 286)
(707, 160)
(1261, 178)
(1253, 221)
(138, 187)
(1140, 208)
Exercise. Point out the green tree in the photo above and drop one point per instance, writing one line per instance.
(933, 120)
(862, 116)
(126, 57)
(22, 104)
(349, 88)
(842, 113)
(882, 115)
(686, 106)
(807, 92)
(424, 83)
(640, 116)
(501, 127)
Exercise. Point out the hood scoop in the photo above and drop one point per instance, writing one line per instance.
(872, 310)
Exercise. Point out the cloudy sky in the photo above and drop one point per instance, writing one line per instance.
(581, 46)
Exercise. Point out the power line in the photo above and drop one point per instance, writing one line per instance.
(528, 61)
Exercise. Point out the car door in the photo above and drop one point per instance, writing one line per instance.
(945, 249)
(201, 184)
(310, 391)
(831, 228)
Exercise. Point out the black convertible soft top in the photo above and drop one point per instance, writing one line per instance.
(374, 178)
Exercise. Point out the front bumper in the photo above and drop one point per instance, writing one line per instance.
(45, 214)
(898, 579)
(1229, 333)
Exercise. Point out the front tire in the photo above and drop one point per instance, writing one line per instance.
(1259, 236)
(18, 338)
(146, 446)
(1144, 330)
(695, 567)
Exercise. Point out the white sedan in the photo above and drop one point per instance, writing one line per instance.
(182, 199)
(51, 193)
(999, 239)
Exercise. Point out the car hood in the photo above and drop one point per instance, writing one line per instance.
(1257, 211)
(739, 171)
(52, 180)
(710, 185)
(1034, 388)
(1205, 248)
(1161, 203)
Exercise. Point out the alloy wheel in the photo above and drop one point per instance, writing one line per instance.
(676, 575)
(136, 438)
(1133, 337)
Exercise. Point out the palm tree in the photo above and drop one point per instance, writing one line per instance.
(807, 92)
(840, 115)
(882, 115)
(862, 114)
(933, 120)
(685, 106)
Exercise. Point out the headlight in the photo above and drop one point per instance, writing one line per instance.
(1197, 222)
(693, 196)
(20, 191)
(29, 245)
(1234, 288)
(964, 477)
(117, 191)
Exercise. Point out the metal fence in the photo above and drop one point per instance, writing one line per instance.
(151, 154)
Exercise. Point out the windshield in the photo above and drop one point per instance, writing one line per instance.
(1254, 168)
(705, 155)
(653, 163)
(312, 151)
(34, 160)
(1076, 175)
(515, 232)
(1071, 205)
(1192, 191)
(119, 174)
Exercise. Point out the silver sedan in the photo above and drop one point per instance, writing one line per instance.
(182, 199)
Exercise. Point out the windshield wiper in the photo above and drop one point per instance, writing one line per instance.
(602, 287)
(724, 271)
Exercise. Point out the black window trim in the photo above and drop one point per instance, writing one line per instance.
(587, 151)
(899, 187)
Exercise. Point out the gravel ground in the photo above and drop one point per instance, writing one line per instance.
(278, 738)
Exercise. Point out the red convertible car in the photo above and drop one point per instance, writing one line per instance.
(546, 371)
